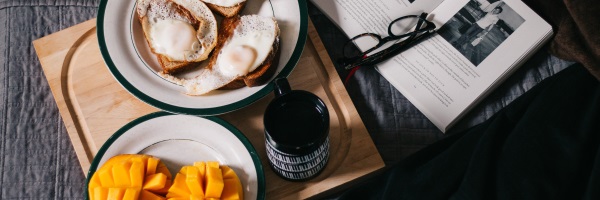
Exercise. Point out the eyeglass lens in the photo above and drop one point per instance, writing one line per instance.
(403, 25)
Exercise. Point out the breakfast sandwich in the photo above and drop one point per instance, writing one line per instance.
(244, 57)
(180, 33)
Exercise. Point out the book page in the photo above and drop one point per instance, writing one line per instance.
(477, 45)
(358, 16)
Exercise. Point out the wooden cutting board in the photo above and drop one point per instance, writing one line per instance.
(93, 106)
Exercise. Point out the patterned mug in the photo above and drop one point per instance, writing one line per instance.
(297, 133)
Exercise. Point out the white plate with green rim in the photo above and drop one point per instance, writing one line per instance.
(121, 44)
(180, 140)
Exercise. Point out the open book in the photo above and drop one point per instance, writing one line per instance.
(478, 44)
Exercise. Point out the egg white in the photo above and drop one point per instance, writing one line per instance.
(253, 32)
(172, 35)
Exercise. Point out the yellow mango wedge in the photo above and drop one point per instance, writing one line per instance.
(206, 180)
(194, 183)
(131, 194)
(146, 195)
(231, 191)
(120, 174)
(201, 168)
(100, 193)
(151, 166)
(233, 186)
(214, 180)
(115, 193)
(124, 177)
(155, 182)
(179, 189)
(134, 177)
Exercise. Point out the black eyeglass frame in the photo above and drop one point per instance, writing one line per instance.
(414, 36)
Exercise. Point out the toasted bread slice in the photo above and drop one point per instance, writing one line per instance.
(225, 11)
(197, 14)
(174, 67)
(262, 73)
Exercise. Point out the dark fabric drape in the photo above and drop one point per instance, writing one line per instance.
(544, 145)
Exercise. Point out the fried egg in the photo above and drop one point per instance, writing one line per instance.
(180, 30)
(251, 43)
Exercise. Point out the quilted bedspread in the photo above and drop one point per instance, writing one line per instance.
(37, 160)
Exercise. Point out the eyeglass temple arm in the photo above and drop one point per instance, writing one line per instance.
(391, 52)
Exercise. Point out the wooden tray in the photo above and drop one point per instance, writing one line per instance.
(93, 106)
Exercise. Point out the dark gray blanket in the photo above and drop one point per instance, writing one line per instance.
(37, 160)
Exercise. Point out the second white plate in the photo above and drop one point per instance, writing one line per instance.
(180, 140)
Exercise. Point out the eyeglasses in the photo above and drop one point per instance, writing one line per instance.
(422, 30)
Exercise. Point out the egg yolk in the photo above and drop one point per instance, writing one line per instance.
(174, 38)
(237, 61)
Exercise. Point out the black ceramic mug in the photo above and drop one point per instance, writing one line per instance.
(297, 133)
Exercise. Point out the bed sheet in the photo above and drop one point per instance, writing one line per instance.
(37, 160)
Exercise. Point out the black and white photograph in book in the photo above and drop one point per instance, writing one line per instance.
(480, 27)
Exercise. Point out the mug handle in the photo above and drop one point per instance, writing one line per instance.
(281, 86)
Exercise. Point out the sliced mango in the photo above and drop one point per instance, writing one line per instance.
(194, 183)
(120, 174)
(115, 193)
(201, 168)
(214, 181)
(163, 191)
(146, 195)
(131, 194)
(179, 188)
(123, 177)
(214, 164)
(230, 179)
(106, 177)
(100, 193)
(155, 182)
(136, 174)
(231, 191)
(228, 172)
(131, 177)
(152, 164)
(162, 168)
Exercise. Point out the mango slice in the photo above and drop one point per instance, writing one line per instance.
(233, 186)
(155, 182)
(206, 180)
(231, 190)
(152, 164)
(214, 181)
(179, 188)
(122, 178)
(99, 193)
(146, 195)
(194, 182)
(132, 177)
(115, 193)
(131, 194)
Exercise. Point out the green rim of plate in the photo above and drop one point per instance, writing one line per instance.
(251, 150)
(287, 69)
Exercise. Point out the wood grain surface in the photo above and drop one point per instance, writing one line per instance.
(94, 105)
